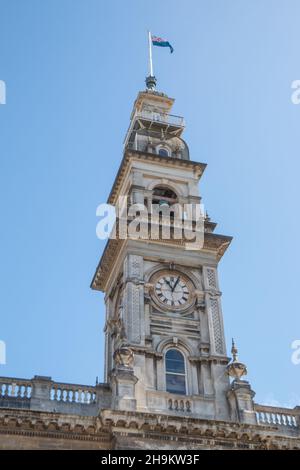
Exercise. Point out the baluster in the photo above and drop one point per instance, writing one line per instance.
(284, 420)
(55, 396)
(13, 389)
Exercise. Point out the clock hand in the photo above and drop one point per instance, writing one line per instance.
(176, 282)
(167, 282)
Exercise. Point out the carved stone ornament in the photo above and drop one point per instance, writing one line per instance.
(123, 357)
(235, 368)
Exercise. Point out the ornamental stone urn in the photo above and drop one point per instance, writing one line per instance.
(123, 357)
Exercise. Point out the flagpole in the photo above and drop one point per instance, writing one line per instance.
(150, 54)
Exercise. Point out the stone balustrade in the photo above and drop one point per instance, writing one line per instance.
(73, 393)
(42, 393)
(276, 416)
(10, 387)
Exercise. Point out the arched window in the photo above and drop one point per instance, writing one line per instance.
(161, 193)
(175, 372)
(163, 152)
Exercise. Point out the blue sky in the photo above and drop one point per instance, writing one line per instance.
(72, 70)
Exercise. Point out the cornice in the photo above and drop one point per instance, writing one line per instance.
(52, 425)
(130, 155)
(125, 424)
(212, 242)
(190, 430)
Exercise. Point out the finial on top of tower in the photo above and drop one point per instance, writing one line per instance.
(151, 82)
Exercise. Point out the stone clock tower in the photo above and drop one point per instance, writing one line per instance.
(165, 347)
(167, 375)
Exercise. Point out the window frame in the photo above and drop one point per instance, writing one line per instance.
(165, 148)
(176, 373)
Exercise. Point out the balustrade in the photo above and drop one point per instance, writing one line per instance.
(15, 388)
(23, 389)
(269, 415)
(73, 394)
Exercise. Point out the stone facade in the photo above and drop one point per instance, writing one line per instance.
(167, 373)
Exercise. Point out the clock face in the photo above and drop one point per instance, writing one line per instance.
(173, 290)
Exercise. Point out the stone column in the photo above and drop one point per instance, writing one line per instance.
(214, 311)
(206, 379)
(240, 397)
(134, 299)
(123, 380)
(137, 188)
(40, 395)
(297, 410)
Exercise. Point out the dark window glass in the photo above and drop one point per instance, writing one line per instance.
(174, 361)
(175, 372)
(163, 152)
(176, 384)
(162, 192)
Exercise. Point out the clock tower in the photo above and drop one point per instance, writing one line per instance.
(164, 338)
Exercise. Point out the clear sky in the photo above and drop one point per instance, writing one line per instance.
(73, 69)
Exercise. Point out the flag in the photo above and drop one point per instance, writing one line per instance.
(161, 42)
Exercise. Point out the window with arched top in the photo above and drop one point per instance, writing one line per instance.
(163, 152)
(163, 193)
(175, 372)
